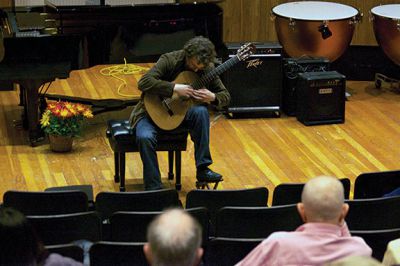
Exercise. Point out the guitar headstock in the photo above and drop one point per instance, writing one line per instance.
(245, 51)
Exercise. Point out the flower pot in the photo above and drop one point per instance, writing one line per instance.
(60, 143)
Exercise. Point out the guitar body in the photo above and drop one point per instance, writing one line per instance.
(168, 113)
(160, 114)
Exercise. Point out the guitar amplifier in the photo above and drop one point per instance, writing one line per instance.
(291, 68)
(321, 98)
(255, 84)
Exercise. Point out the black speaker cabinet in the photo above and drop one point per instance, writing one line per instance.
(321, 98)
(255, 84)
(291, 68)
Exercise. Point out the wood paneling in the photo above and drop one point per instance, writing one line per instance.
(250, 20)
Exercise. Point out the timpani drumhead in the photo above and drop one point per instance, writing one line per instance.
(315, 10)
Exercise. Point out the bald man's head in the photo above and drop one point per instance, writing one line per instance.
(322, 200)
(174, 238)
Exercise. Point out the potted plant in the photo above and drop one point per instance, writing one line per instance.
(62, 121)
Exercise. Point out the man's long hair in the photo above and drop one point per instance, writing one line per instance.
(202, 49)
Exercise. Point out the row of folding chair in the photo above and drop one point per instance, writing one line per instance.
(290, 193)
(218, 252)
(71, 199)
(382, 212)
(104, 253)
(366, 185)
(230, 221)
(74, 201)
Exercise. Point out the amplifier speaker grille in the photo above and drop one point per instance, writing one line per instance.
(255, 84)
(321, 98)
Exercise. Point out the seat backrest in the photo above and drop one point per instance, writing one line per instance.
(46, 203)
(256, 222)
(228, 251)
(290, 193)
(65, 228)
(374, 214)
(88, 189)
(109, 202)
(376, 184)
(214, 200)
(105, 253)
(378, 240)
(67, 250)
(132, 226)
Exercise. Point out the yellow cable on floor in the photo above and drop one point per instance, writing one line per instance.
(126, 69)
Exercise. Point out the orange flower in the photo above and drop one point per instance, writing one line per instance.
(64, 118)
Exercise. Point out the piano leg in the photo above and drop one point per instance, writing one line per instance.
(2, 51)
(30, 90)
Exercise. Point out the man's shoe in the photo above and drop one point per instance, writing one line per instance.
(207, 175)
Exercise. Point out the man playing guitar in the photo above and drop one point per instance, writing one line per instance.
(162, 81)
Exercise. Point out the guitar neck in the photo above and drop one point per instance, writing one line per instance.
(211, 75)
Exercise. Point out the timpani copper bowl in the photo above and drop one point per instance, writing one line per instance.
(315, 28)
(386, 23)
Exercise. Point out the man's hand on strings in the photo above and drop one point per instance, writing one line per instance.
(183, 90)
(203, 95)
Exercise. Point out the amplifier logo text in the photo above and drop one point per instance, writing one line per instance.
(325, 91)
(254, 63)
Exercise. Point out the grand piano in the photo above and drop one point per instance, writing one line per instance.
(40, 43)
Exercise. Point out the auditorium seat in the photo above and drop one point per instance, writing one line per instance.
(157, 200)
(228, 251)
(117, 254)
(378, 239)
(132, 226)
(66, 228)
(374, 214)
(213, 200)
(290, 193)
(87, 189)
(376, 184)
(256, 222)
(46, 203)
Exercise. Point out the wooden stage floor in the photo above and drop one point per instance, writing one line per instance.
(248, 152)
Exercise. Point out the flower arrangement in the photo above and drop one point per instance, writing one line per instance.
(64, 118)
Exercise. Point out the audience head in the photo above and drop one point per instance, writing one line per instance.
(174, 238)
(322, 201)
(19, 244)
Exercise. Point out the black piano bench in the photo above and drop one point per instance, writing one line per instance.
(205, 184)
(122, 140)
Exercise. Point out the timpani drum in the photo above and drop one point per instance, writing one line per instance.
(315, 28)
(386, 21)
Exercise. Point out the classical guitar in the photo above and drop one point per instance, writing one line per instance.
(168, 113)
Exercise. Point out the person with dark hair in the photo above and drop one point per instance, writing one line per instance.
(198, 55)
(174, 239)
(324, 236)
(20, 245)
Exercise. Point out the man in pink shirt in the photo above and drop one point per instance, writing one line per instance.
(323, 237)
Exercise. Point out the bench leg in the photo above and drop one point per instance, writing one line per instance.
(116, 167)
(178, 164)
(122, 171)
(170, 165)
